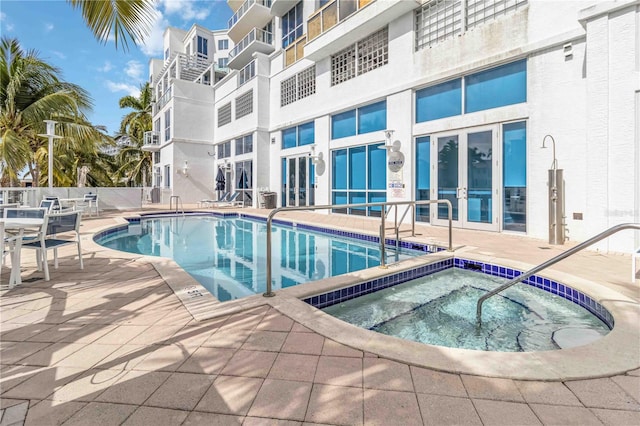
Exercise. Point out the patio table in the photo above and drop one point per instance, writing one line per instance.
(18, 226)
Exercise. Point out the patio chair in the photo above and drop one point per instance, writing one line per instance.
(48, 238)
(208, 203)
(47, 204)
(230, 201)
(56, 202)
(88, 204)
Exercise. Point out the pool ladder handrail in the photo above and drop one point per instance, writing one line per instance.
(552, 261)
(383, 206)
(396, 227)
(178, 203)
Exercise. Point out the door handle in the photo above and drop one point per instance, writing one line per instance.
(461, 193)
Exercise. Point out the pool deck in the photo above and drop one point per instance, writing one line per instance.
(115, 344)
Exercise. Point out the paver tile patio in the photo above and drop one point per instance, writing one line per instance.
(380, 373)
(555, 393)
(249, 364)
(230, 395)
(281, 399)
(51, 413)
(270, 341)
(339, 371)
(144, 416)
(207, 360)
(630, 384)
(181, 391)
(436, 382)
(294, 367)
(134, 387)
(602, 393)
(42, 383)
(491, 388)
(505, 413)
(444, 410)
(325, 399)
(384, 407)
(562, 415)
(617, 417)
(303, 343)
(196, 418)
(103, 414)
(333, 348)
(86, 386)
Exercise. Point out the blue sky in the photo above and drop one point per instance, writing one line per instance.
(59, 34)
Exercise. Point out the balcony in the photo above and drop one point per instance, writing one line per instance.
(280, 7)
(166, 96)
(295, 51)
(364, 17)
(151, 142)
(256, 41)
(235, 4)
(252, 13)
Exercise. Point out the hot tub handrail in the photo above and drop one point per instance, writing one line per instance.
(382, 205)
(552, 261)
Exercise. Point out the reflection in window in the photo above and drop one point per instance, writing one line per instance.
(423, 177)
(514, 148)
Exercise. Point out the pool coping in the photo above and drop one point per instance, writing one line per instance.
(613, 354)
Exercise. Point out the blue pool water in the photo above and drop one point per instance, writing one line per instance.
(440, 309)
(228, 256)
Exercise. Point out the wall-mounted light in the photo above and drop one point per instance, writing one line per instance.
(185, 169)
(317, 160)
(388, 145)
(395, 158)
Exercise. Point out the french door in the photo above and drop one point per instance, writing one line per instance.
(466, 173)
(299, 185)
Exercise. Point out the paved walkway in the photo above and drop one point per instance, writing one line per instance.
(112, 344)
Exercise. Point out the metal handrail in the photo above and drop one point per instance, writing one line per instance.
(553, 261)
(270, 293)
(178, 203)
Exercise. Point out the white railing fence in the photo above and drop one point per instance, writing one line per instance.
(108, 198)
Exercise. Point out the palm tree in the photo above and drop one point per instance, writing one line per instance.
(124, 19)
(135, 164)
(30, 92)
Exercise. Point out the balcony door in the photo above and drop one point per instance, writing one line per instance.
(466, 174)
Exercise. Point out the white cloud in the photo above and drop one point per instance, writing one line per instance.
(48, 27)
(186, 9)
(59, 54)
(153, 44)
(8, 26)
(134, 69)
(123, 87)
(106, 67)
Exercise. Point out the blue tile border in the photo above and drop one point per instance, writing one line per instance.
(545, 284)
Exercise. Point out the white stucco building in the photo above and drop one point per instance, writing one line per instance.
(470, 88)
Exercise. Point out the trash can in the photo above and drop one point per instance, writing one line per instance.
(269, 200)
(155, 195)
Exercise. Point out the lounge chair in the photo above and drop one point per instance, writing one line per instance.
(229, 202)
(208, 203)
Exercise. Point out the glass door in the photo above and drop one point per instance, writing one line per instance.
(299, 182)
(466, 174)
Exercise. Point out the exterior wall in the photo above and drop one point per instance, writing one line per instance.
(583, 89)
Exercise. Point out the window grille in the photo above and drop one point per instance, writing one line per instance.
(436, 21)
(480, 11)
(307, 82)
(244, 104)
(224, 115)
(373, 51)
(343, 65)
(288, 91)
(299, 86)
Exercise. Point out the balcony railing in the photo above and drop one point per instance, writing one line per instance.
(255, 34)
(151, 139)
(166, 96)
(331, 14)
(243, 9)
(295, 51)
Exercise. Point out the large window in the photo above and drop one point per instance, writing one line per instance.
(247, 73)
(514, 147)
(244, 181)
(359, 175)
(366, 55)
(244, 144)
(292, 25)
(500, 86)
(492, 88)
(203, 47)
(442, 100)
(167, 124)
(303, 134)
(224, 150)
(423, 176)
(366, 119)
(223, 44)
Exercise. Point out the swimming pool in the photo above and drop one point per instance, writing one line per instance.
(227, 254)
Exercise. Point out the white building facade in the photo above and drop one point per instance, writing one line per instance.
(469, 88)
